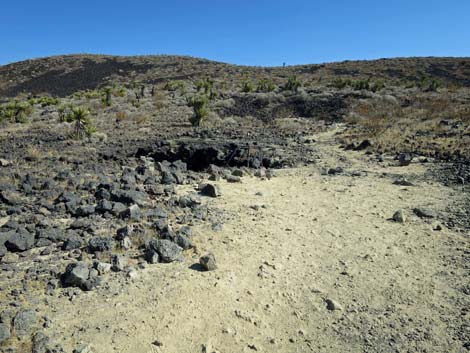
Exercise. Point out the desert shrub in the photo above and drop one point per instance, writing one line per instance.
(292, 84)
(360, 84)
(174, 86)
(428, 84)
(377, 86)
(44, 101)
(207, 87)
(16, 111)
(107, 99)
(265, 85)
(341, 83)
(247, 86)
(122, 115)
(200, 107)
(159, 99)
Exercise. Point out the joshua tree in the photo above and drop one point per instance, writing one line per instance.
(82, 122)
(201, 109)
(107, 99)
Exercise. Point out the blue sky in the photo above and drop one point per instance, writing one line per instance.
(242, 32)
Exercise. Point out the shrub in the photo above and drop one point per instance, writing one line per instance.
(207, 86)
(107, 100)
(16, 111)
(265, 85)
(200, 107)
(247, 86)
(292, 84)
(360, 85)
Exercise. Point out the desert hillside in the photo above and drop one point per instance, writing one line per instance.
(176, 204)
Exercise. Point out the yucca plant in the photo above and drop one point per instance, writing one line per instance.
(265, 85)
(200, 107)
(107, 99)
(247, 86)
(83, 126)
(292, 84)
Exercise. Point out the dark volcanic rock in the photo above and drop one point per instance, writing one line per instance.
(166, 249)
(79, 275)
(99, 244)
(404, 159)
(132, 212)
(210, 190)
(422, 212)
(21, 240)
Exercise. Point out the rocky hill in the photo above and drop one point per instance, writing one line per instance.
(64, 75)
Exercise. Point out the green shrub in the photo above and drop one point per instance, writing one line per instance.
(361, 84)
(247, 86)
(207, 87)
(16, 111)
(265, 85)
(292, 84)
(200, 107)
(107, 99)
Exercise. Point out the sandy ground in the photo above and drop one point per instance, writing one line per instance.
(290, 244)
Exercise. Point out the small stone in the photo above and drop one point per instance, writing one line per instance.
(100, 244)
(133, 274)
(399, 216)
(119, 263)
(436, 226)
(233, 179)
(404, 159)
(24, 322)
(151, 256)
(208, 262)
(168, 250)
(76, 274)
(210, 190)
(424, 212)
(103, 267)
(126, 243)
(40, 343)
(133, 213)
(333, 305)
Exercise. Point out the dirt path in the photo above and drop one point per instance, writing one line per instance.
(290, 244)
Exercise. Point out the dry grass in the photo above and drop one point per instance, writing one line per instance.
(426, 124)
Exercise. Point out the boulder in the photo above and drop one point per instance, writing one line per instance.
(208, 262)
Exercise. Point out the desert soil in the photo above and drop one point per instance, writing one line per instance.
(289, 245)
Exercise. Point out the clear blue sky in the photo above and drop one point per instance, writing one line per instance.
(251, 32)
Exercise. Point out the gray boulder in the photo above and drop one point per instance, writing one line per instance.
(100, 244)
(208, 262)
(119, 263)
(76, 274)
(167, 250)
(24, 322)
(4, 332)
(21, 240)
(404, 159)
(210, 190)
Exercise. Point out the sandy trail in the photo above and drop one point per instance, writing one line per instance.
(291, 243)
